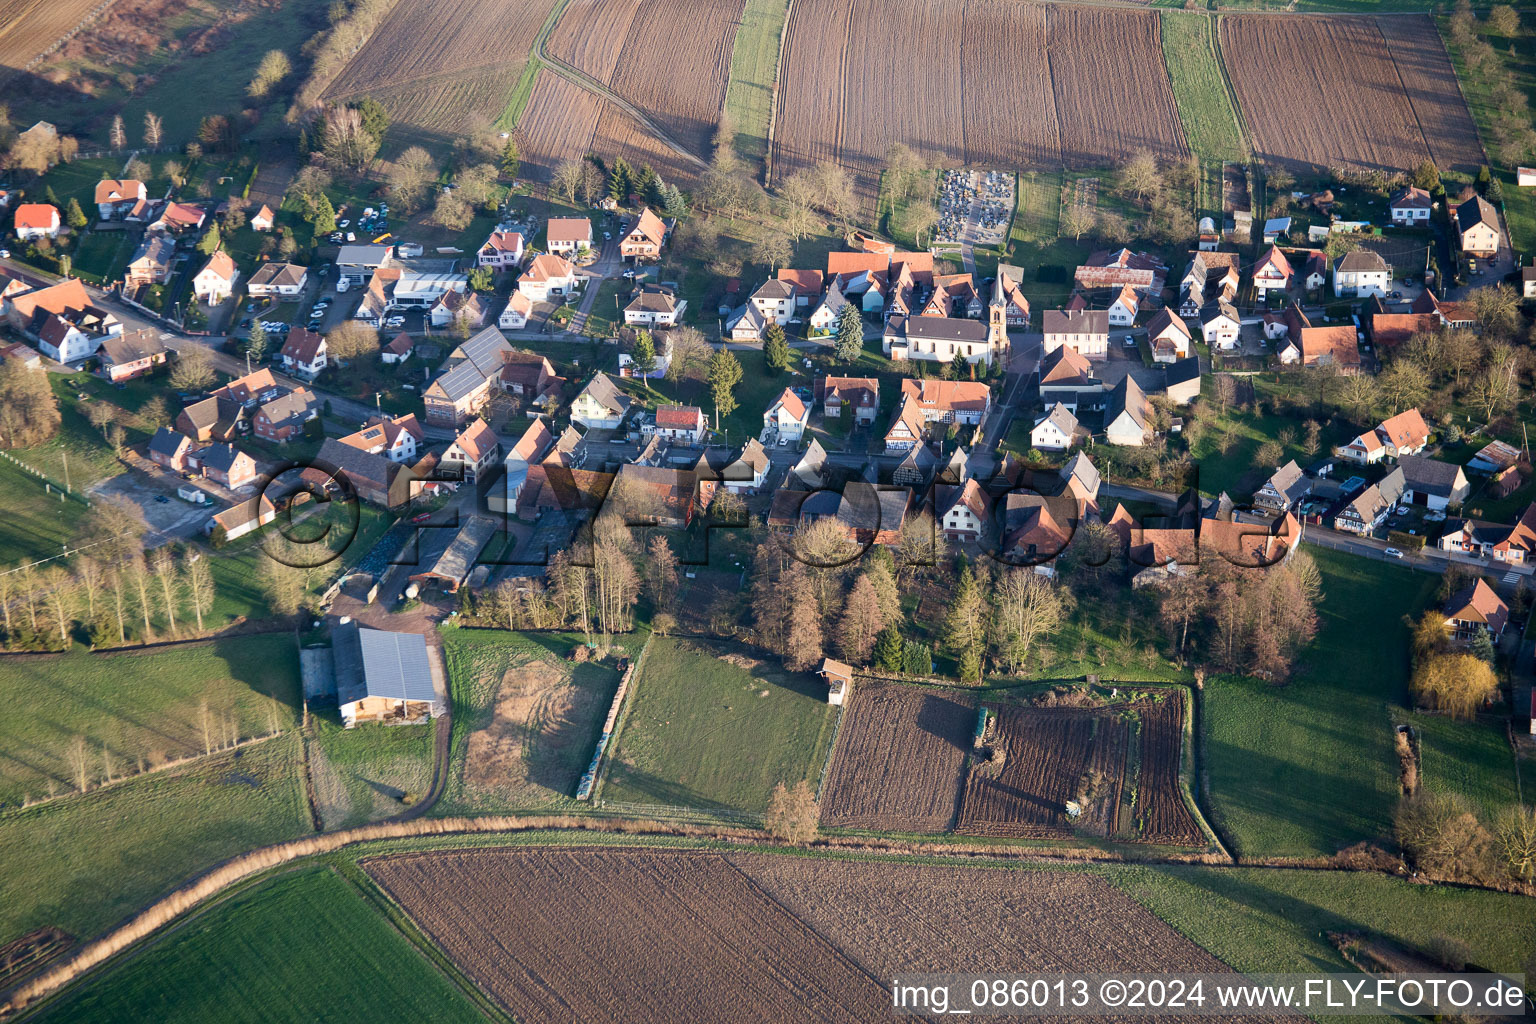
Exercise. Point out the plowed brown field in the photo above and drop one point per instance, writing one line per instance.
(610, 935)
(899, 761)
(1324, 92)
(625, 44)
(28, 27)
(1113, 95)
(557, 123)
(981, 82)
(1162, 816)
(1427, 75)
(422, 39)
(1048, 755)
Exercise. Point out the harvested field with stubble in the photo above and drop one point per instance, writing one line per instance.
(1034, 85)
(1049, 758)
(1345, 102)
(899, 761)
(626, 935)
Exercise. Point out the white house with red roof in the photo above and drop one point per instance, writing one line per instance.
(685, 424)
(115, 197)
(1272, 273)
(644, 237)
(514, 316)
(37, 220)
(216, 281)
(567, 234)
(303, 353)
(396, 439)
(502, 250)
(949, 401)
(263, 219)
(472, 451)
(1403, 434)
(547, 276)
(786, 418)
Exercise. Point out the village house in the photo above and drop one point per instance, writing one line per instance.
(36, 312)
(1272, 273)
(1410, 206)
(251, 390)
(263, 219)
(774, 301)
(1502, 542)
(151, 262)
(1169, 337)
(243, 518)
(399, 349)
(1211, 276)
(1035, 529)
(397, 439)
(171, 449)
(1330, 345)
(114, 198)
(963, 510)
(179, 218)
(382, 676)
(1281, 492)
(906, 429)
(1221, 327)
(1055, 431)
(1181, 380)
(643, 238)
(861, 394)
(600, 405)
(1080, 481)
(1361, 273)
(69, 340)
(871, 515)
(564, 236)
(473, 370)
(1477, 227)
(528, 449)
(216, 281)
(1403, 434)
(134, 354)
(1084, 331)
(654, 305)
(514, 315)
(282, 419)
(785, 419)
(1067, 377)
(215, 418)
(472, 452)
(684, 424)
(824, 319)
(1431, 483)
(1128, 417)
(303, 353)
(807, 284)
(455, 306)
(277, 280)
(503, 250)
(547, 276)
(1363, 513)
(36, 220)
(1123, 310)
(225, 464)
(372, 477)
(741, 470)
(1475, 610)
(949, 401)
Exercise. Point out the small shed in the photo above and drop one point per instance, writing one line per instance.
(839, 680)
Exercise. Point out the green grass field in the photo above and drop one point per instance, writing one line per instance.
(1261, 920)
(1304, 769)
(1235, 471)
(82, 863)
(701, 731)
(36, 522)
(144, 708)
(368, 772)
(306, 946)
(101, 255)
(1200, 88)
(754, 65)
(1470, 758)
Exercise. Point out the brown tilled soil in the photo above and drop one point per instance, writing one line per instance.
(900, 756)
(607, 935)
(1162, 816)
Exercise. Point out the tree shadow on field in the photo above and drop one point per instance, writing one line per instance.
(644, 787)
(946, 719)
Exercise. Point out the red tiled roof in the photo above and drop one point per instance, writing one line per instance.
(36, 216)
(678, 417)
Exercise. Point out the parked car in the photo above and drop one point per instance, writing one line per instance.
(421, 518)
(5, 254)
(1393, 553)
(1130, 342)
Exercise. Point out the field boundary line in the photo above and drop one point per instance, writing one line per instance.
(1213, 40)
(619, 722)
(826, 764)
(773, 94)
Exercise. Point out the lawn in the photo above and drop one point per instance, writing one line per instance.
(101, 255)
(36, 523)
(83, 862)
(754, 66)
(138, 709)
(306, 946)
(1235, 471)
(1272, 921)
(1304, 769)
(368, 772)
(1470, 758)
(1211, 125)
(705, 728)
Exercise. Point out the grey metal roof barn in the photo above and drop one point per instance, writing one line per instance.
(380, 663)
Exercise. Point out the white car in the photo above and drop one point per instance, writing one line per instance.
(1130, 342)
(1393, 553)
(5, 254)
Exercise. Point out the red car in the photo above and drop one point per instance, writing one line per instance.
(421, 518)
